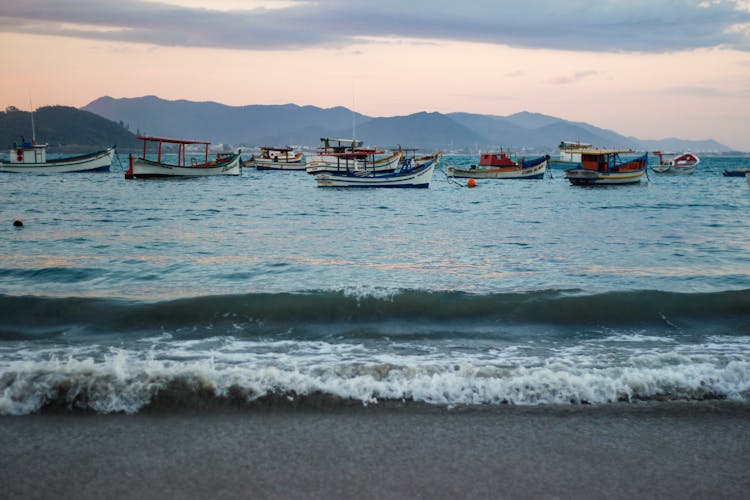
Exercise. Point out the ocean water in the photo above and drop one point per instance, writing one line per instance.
(121, 295)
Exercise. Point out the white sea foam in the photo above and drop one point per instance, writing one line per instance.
(122, 380)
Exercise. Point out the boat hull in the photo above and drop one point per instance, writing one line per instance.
(535, 172)
(661, 169)
(415, 178)
(584, 177)
(99, 161)
(298, 163)
(736, 173)
(147, 169)
(299, 166)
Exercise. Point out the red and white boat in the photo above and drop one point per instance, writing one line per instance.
(500, 165)
(143, 168)
(674, 164)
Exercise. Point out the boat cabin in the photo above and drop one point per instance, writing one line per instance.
(608, 160)
(496, 159)
(28, 152)
(277, 153)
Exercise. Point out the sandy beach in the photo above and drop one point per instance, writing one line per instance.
(699, 450)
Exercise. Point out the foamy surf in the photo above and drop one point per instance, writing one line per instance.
(189, 373)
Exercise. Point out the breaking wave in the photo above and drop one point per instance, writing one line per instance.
(120, 384)
(35, 317)
(348, 347)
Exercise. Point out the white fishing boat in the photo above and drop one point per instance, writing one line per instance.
(675, 164)
(408, 176)
(319, 164)
(329, 157)
(605, 167)
(498, 165)
(418, 161)
(32, 157)
(277, 158)
(144, 168)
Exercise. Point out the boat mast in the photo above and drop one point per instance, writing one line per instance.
(354, 121)
(33, 130)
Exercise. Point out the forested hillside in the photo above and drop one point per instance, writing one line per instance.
(65, 129)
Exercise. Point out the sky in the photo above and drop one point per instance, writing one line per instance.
(650, 69)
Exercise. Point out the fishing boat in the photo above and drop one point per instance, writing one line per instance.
(358, 158)
(277, 158)
(675, 164)
(499, 165)
(740, 172)
(143, 168)
(353, 175)
(329, 158)
(605, 166)
(32, 157)
(569, 155)
(418, 161)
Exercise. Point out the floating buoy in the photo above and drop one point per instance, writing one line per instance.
(471, 183)
(18, 223)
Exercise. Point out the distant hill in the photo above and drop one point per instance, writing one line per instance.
(65, 129)
(290, 124)
(219, 123)
(423, 130)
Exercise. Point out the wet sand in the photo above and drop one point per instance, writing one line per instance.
(699, 450)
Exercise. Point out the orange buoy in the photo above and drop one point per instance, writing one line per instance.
(471, 183)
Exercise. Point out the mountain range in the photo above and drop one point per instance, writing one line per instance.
(290, 124)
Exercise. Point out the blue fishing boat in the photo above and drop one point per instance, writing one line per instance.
(354, 173)
(740, 172)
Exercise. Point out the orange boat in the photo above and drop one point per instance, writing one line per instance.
(604, 166)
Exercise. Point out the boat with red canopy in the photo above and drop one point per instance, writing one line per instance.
(500, 165)
(605, 166)
(187, 164)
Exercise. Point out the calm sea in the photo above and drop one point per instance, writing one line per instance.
(116, 295)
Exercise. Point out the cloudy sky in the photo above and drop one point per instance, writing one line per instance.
(646, 68)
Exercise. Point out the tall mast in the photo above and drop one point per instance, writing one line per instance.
(33, 130)
(354, 121)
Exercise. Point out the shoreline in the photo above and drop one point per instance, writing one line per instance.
(671, 450)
